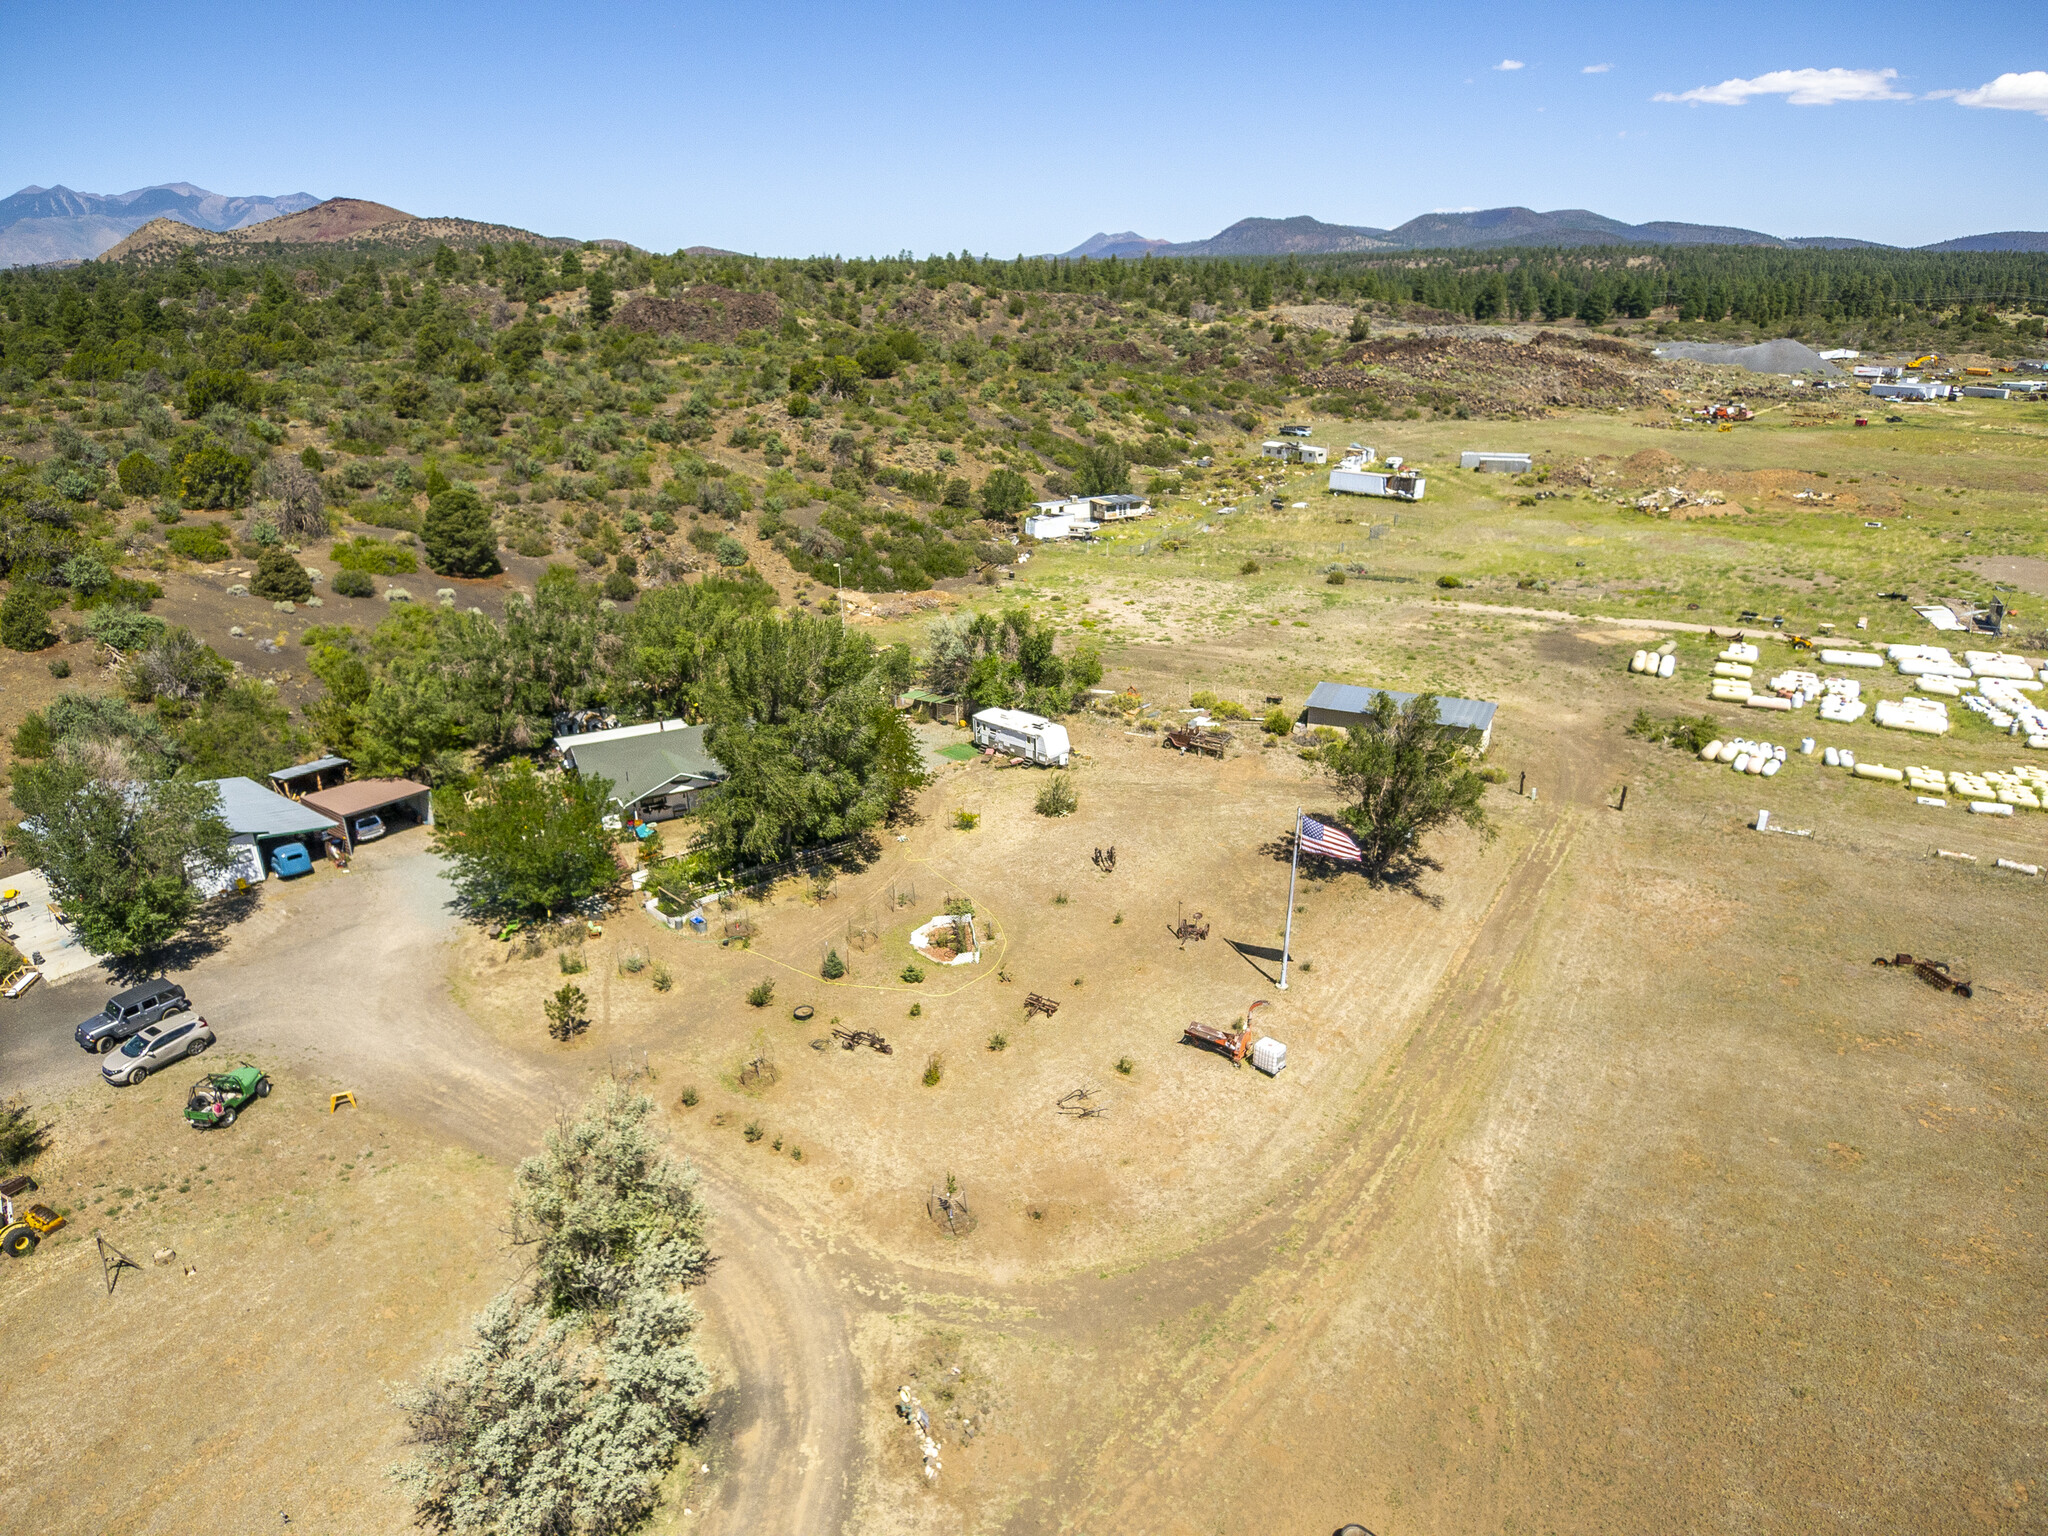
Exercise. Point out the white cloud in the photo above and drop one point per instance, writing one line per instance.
(1596, 69)
(1800, 87)
(2026, 92)
(1510, 64)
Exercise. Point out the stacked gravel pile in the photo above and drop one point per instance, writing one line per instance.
(1780, 356)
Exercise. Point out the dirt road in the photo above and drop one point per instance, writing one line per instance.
(336, 977)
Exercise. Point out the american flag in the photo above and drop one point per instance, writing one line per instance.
(1328, 841)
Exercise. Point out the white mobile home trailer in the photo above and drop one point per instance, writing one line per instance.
(1376, 482)
(1909, 389)
(1017, 734)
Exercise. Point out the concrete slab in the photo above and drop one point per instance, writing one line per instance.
(36, 930)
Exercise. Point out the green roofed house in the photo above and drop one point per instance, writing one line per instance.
(657, 771)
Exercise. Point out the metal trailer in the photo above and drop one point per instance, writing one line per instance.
(1497, 463)
(1017, 734)
(1373, 482)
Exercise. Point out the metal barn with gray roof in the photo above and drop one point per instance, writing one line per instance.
(1346, 705)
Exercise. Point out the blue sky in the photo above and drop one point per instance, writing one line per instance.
(795, 129)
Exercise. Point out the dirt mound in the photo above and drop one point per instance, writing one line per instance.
(1653, 466)
(706, 313)
(1781, 356)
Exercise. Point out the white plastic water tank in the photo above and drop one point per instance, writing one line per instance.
(1269, 1055)
(1832, 758)
(1667, 666)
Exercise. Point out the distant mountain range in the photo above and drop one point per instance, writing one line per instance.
(1477, 230)
(49, 224)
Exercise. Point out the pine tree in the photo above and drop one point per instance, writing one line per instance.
(280, 577)
(458, 535)
(24, 620)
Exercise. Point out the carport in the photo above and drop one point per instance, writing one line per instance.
(397, 801)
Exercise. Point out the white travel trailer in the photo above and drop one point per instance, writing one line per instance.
(1017, 734)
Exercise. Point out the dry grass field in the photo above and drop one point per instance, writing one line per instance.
(1609, 1187)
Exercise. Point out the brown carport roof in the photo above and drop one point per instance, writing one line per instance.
(353, 799)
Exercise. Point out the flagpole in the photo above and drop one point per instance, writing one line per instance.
(1287, 944)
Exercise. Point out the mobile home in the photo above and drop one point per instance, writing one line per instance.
(1352, 478)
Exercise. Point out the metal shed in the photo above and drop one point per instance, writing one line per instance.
(321, 773)
(1346, 706)
(1496, 463)
(942, 708)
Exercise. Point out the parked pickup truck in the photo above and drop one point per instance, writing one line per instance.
(127, 1012)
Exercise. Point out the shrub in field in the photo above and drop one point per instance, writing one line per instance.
(1057, 798)
(913, 974)
(934, 1069)
(834, 967)
(204, 542)
(761, 994)
(569, 1410)
(566, 1011)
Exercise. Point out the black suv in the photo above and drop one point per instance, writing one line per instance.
(128, 1012)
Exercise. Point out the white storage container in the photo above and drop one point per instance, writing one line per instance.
(1269, 1055)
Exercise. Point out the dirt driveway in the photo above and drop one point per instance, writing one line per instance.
(336, 980)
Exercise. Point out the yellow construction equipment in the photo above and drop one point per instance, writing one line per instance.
(1922, 362)
(21, 1230)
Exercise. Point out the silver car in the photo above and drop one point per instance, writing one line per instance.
(156, 1046)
